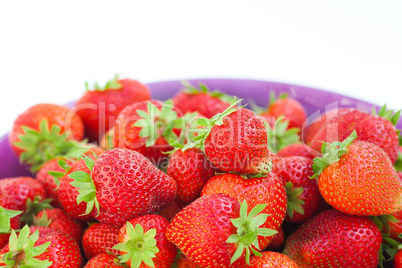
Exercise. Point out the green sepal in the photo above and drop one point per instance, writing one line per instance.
(43, 221)
(5, 216)
(390, 115)
(280, 136)
(22, 250)
(398, 163)
(86, 187)
(33, 208)
(111, 84)
(273, 98)
(46, 144)
(383, 221)
(255, 108)
(140, 248)
(58, 175)
(202, 88)
(331, 153)
(294, 202)
(248, 230)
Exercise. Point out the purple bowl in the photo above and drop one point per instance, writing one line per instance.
(315, 102)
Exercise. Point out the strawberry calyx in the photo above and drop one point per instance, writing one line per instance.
(390, 115)
(273, 98)
(202, 88)
(294, 202)
(390, 247)
(280, 136)
(5, 216)
(331, 153)
(156, 122)
(140, 247)
(248, 229)
(34, 207)
(22, 251)
(43, 220)
(111, 84)
(46, 144)
(86, 187)
(58, 175)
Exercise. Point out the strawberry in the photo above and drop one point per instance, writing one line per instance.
(9, 220)
(46, 176)
(107, 140)
(280, 135)
(304, 198)
(143, 243)
(191, 170)
(100, 238)
(235, 141)
(290, 109)
(123, 183)
(339, 124)
(398, 259)
(257, 191)
(184, 262)
(146, 127)
(104, 261)
(297, 149)
(59, 219)
(358, 178)
(334, 239)
(41, 247)
(100, 107)
(272, 259)
(277, 240)
(213, 231)
(170, 211)
(46, 131)
(201, 100)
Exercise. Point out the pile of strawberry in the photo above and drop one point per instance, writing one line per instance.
(121, 180)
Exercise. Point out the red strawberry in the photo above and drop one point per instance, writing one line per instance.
(235, 141)
(41, 247)
(290, 109)
(191, 170)
(100, 238)
(265, 190)
(104, 261)
(170, 211)
(398, 259)
(10, 220)
(48, 181)
(277, 240)
(297, 149)
(21, 189)
(358, 178)
(334, 239)
(143, 243)
(146, 128)
(207, 103)
(107, 140)
(208, 231)
(59, 219)
(184, 262)
(304, 198)
(100, 107)
(272, 259)
(40, 134)
(125, 185)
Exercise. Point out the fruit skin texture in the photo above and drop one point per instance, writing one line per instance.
(277, 240)
(398, 259)
(60, 220)
(337, 125)
(298, 170)
(127, 135)
(54, 114)
(184, 262)
(20, 189)
(290, 109)
(201, 102)
(239, 144)
(362, 182)
(100, 238)
(191, 170)
(266, 190)
(103, 261)
(48, 180)
(270, 259)
(127, 184)
(296, 149)
(334, 239)
(104, 106)
(167, 251)
(63, 251)
(201, 229)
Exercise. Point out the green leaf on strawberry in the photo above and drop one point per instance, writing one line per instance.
(34, 207)
(5, 216)
(111, 84)
(280, 136)
(202, 88)
(294, 202)
(388, 114)
(331, 153)
(57, 175)
(22, 251)
(141, 247)
(248, 230)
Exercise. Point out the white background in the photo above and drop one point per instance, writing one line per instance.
(48, 49)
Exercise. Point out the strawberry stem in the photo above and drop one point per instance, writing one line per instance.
(111, 84)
